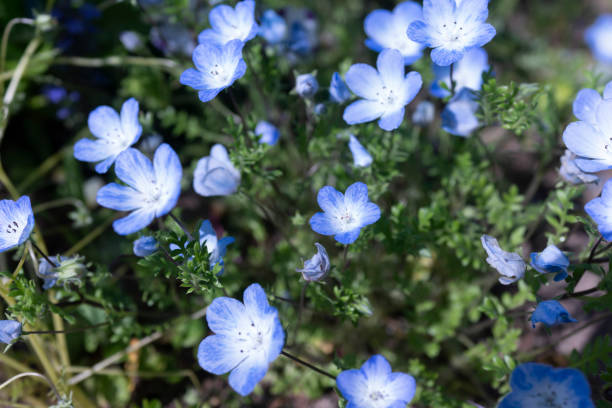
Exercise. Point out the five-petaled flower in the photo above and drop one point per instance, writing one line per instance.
(509, 264)
(344, 214)
(452, 27)
(385, 91)
(599, 38)
(551, 313)
(543, 386)
(115, 133)
(16, 222)
(215, 175)
(361, 157)
(152, 188)
(10, 330)
(317, 267)
(551, 260)
(230, 24)
(248, 337)
(375, 386)
(600, 210)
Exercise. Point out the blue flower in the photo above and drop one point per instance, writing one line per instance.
(385, 92)
(10, 330)
(145, 246)
(152, 188)
(16, 222)
(230, 24)
(338, 91)
(306, 85)
(375, 386)
(599, 38)
(600, 210)
(55, 94)
(64, 270)
(317, 267)
(273, 27)
(215, 175)
(216, 247)
(540, 385)
(570, 171)
(361, 157)
(387, 29)
(424, 113)
(172, 39)
(268, 132)
(114, 134)
(587, 101)
(550, 312)
(345, 214)
(248, 337)
(509, 264)
(217, 67)
(302, 31)
(451, 28)
(459, 116)
(467, 73)
(551, 260)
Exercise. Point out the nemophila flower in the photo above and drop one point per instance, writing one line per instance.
(587, 101)
(385, 92)
(375, 386)
(508, 264)
(216, 247)
(551, 260)
(273, 27)
(152, 188)
(114, 134)
(10, 330)
(230, 24)
(344, 214)
(543, 386)
(600, 210)
(361, 157)
(215, 175)
(131, 40)
(16, 222)
(145, 246)
(424, 113)
(317, 267)
(306, 85)
(217, 67)
(452, 27)
(599, 38)
(571, 173)
(268, 132)
(459, 116)
(172, 39)
(248, 337)
(65, 270)
(55, 94)
(338, 91)
(550, 312)
(467, 73)
(387, 29)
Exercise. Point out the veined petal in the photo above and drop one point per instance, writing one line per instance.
(585, 105)
(255, 301)
(168, 174)
(135, 169)
(322, 224)
(92, 150)
(364, 81)
(376, 366)
(444, 57)
(330, 199)
(401, 386)
(362, 111)
(356, 195)
(134, 222)
(584, 140)
(347, 237)
(351, 384)
(104, 122)
(245, 377)
(219, 354)
(604, 118)
(418, 32)
(370, 213)
(226, 315)
(129, 121)
(193, 78)
(390, 64)
(391, 120)
(118, 197)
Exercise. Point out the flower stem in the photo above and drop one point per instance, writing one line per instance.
(451, 80)
(306, 364)
(73, 330)
(180, 224)
(42, 253)
(301, 308)
(33, 374)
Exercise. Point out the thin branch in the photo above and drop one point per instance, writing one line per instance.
(306, 364)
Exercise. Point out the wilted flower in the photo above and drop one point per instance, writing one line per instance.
(65, 270)
(361, 157)
(551, 260)
(551, 312)
(215, 175)
(16, 222)
(570, 171)
(509, 264)
(317, 267)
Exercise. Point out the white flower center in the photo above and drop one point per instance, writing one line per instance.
(251, 339)
(386, 96)
(219, 74)
(154, 194)
(452, 32)
(13, 227)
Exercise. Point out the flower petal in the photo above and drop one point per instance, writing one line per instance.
(219, 354)
(134, 222)
(363, 80)
(362, 111)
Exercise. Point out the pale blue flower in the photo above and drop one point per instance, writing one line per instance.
(152, 188)
(387, 29)
(551, 313)
(217, 67)
(145, 246)
(424, 113)
(551, 260)
(173, 39)
(273, 27)
(459, 116)
(385, 91)
(540, 385)
(248, 337)
(317, 267)
(344, 214)
(375, 386)
(230, 24)
(306, 85)
(131, 40)
(361, 157)
(338, 91)
(451, 28)
(216, 247)
(571, 173)
(114, 133)
(10, 330)
(16, 222)
(599, 38)
(268, 132)
(600, 210)
(587, 102)
(215, 175)
(467, 73)
(508, 264)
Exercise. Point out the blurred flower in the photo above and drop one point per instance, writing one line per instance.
(540, 385)
(268, 132)
(571, 172)
(338, 91)
(306, 85)
(509, 264)
(145, 246)
(291, 31)
(600, 210)
(385, 92)
(344, 214)
(65, 270)
(451, 28)
(114, 134)
(317, 267)
(152, 188)
(587, 101)
(248, 337)
(172, 39)
(467, 73)
(54, 93)
(459, 116)
(550, 312)
(231, 23)
(215, 175)
(320, 109)
(387, 29)
(150, 143)
(273, 27)
(10, 330)
(424, 113)
(90, 190)
(375, 386)
(216, 247)
(551, 260)
(76, 25)
(16, 222)
(130, 40)
(217, 67)
(599, 38)
(361, 157)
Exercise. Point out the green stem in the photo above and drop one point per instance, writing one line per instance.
(181, 225)
(71, 330)
(307, 364)
(118, 61)
(5, 37)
